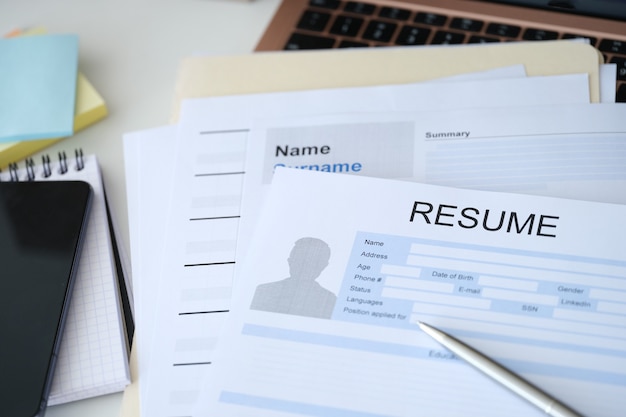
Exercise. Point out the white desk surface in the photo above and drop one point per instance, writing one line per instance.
(130, 50)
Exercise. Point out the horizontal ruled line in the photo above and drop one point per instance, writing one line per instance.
(217, 132)
(214, 218)
(203, 312)
(210, 264)
(191, 363)
(215, 174)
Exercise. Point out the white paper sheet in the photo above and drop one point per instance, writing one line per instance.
(608, 75)
(148, 182)
(571, 151)
(537, 283)
(201, 241)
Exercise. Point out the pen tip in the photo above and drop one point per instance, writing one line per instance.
(426, 328)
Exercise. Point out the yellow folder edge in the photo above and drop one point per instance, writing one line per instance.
(261, 72)
(90, 108)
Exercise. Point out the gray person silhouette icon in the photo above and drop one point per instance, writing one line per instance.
(299, 294)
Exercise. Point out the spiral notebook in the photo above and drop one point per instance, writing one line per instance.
(93, 358)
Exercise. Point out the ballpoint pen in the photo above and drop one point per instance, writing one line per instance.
(515, 383)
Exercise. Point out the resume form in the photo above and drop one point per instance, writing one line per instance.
(342, 267)
(183, 321)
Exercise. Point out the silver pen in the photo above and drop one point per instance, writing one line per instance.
(515, 383)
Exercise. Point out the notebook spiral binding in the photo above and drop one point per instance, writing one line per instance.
(46, 166)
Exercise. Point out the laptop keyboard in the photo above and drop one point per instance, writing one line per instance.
(350, 24)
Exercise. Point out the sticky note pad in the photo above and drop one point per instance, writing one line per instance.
(37, 86)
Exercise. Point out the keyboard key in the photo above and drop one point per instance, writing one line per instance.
(430, 19)
(612, 46)
(346, 25)
(379, 31)
(394, 13)
(443, 37)
(506, 31)
(621, 67)
(412, 35)
(352, 44)
(311, 20)
(325, 4)
(482, 39)
(620, 97)
(299, 41)
(592, 40)
(360, 8)
(539, 35)
(468, 25)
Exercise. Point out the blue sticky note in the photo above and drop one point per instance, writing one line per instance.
(37, 87)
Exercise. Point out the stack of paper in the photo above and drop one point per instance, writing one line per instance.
(519, 118)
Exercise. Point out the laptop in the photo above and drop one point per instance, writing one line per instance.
(319, 24)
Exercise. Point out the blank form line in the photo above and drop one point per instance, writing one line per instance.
(598, 328)
(526, 335)
(215, 174)
(529, 272)
(498, 294)
(214, 218)
(210, 264)
(512, 284)
(412, 284)
(564, 263)
(203, 312)
(427, 297)
(218, 132)
(191, 363)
